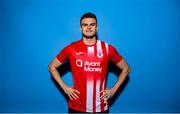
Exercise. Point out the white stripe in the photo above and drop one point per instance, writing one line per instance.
(98, 101)
(107, 49)
(89, 97)
(105, 100)
(99, 49)
(91, 50)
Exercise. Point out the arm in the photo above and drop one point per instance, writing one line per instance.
(53, 70)
(123, 75)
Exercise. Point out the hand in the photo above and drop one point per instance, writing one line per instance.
(107, 93)
(72, 93)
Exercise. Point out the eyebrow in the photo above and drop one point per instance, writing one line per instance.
(89, 24)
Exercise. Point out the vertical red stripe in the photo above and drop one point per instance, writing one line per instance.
(94, 94)
(102, 102)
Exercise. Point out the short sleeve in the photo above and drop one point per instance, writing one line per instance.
(63, 54)
(114, 55)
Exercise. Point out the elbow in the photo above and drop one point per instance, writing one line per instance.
(127, 70)
(51, 68)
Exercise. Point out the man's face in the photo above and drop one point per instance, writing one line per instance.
(88, 27)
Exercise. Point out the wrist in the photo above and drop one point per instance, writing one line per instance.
(64, 87)
(115, 88)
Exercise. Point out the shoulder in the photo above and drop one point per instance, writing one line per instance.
(102, 42)
(106, 44)
(76, 42)
(77, 45)
(72, 44)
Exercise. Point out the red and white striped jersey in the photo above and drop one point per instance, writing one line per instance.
(89, 67)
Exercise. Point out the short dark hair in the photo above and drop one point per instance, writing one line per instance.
(88, 15)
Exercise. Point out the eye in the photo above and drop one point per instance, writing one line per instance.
(84, 25)
(93, 24)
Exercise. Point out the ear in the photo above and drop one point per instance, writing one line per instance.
(80, 29)
(96, 29)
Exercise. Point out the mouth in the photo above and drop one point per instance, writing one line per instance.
(89, 31)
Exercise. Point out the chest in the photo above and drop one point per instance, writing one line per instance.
(89, 56)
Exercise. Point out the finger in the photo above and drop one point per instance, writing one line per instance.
(75, 96)
(106, 97)
(76, 91)
(70, 97)
(71, 94)
(102, 96)
(102, 91)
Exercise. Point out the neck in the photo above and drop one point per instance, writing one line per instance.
(90, 41)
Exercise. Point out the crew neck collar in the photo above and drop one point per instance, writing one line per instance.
(87, 44)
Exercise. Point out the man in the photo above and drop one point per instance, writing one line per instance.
(89, 58)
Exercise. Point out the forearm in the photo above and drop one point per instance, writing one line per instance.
(121, 79)
(112, 91)
(57, 77)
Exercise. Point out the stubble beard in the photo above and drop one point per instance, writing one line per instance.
(89, 37)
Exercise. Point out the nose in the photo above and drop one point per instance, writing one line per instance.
(89, 26)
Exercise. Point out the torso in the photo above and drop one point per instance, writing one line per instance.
(89, 67)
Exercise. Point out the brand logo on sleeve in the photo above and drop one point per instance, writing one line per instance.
(79, 53)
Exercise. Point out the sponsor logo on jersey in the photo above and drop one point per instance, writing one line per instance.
(89, 66)
(79, 63)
